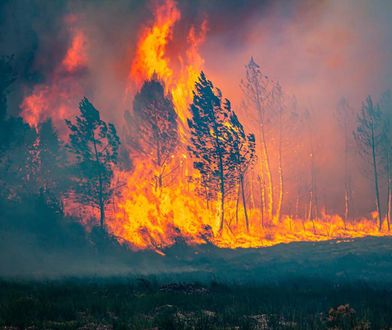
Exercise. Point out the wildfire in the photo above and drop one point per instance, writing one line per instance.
(148, 217)
(178, 74)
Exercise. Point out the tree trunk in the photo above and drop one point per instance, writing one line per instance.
(159, 178)
(296, 212)
(207, 198)
(102, 214)
(346, 208)
(262, 200)
(389, 201)
(267, 168)
(222, 191)
(280, 169)
(347, 187)
(375, 172)
(244, 202)
(101, 201)
(265, 154)
(237, 204)
(346, 190)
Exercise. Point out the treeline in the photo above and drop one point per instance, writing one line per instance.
(39, 172)
(250, 168)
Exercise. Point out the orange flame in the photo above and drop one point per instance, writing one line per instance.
(178, 74)
(147, 217)
(76, 57)
(55, 98)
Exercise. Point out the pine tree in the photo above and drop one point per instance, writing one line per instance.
(257, 91)
(243, 150)
(94, 143)
(345, 119)
(368, 135)
(52, 174)
(216, 137)
(156, 129)
(386, 147)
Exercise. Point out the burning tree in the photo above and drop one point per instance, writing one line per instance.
(243, 148)
(157, 130)
(367, 135)
(52, 161)
(219, 145)
(95, 147)
(344, 116)
(386, 147)
(257, 90)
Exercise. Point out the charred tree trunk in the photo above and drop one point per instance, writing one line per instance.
(244, 202)
(266, 169)
(389, 197)
(262, 200)
(222, 191)
(159, 178)
(101, 202)
(265, 161)
(347, 181)
(237, 205)
(375, 173)
(207, 196)
(280, 170)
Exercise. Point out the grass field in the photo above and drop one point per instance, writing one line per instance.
(145, 304)
(325, 285)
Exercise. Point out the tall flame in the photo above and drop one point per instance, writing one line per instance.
(178, 74)
(147, 217)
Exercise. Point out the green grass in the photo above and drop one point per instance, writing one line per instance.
(144, 304)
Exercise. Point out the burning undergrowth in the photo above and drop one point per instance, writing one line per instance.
(183, 162)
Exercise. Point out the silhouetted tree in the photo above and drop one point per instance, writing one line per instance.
(95, 147)
(17, 163)
(278, 104)
(156, 129)
(345, 119)
(52, 174)
(313, 206)
(367, 135)
(212, 129)
(257, 89)
(242, 151)
(386, 147)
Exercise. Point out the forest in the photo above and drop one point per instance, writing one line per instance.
(191, 164)
(238, 186)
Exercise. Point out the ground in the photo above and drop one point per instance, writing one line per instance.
(325, 285)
